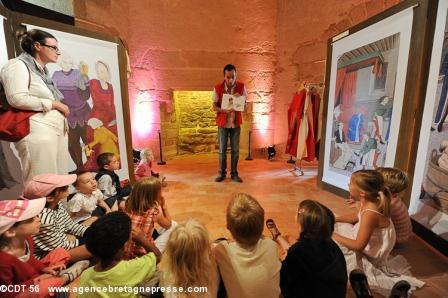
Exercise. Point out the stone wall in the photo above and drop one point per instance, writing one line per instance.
(184, 44)
(196, 120)
(190, 127)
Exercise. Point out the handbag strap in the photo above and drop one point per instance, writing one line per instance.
(5, 105)
(29, 76)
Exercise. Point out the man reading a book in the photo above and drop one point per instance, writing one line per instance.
(228, 122)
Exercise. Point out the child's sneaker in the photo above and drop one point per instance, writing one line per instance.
(75, 270)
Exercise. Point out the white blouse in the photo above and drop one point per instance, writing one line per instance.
(15, 77)
(84, 204)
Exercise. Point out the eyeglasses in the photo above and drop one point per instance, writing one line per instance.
(54, 48)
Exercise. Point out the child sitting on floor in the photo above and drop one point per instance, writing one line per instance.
(397, 181)
(88, 203)
(249, 267)
(367, 238)
(105, 239)
(187, 261)
(314, 266)
(146, 207)
(57, 228)
(18, 222)
(109, 182)
(145, 167)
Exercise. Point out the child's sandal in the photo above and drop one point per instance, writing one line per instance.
(270, 224)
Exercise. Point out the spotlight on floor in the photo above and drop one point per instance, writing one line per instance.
(271, 152)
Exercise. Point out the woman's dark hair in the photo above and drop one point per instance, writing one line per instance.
(28, 39)
(108, 234)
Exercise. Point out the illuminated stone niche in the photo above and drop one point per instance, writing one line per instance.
(196, 122)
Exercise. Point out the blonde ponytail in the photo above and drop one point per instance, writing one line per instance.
(372, 183)
(384, 204)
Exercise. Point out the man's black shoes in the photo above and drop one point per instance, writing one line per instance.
(220, 178)
(237, 178)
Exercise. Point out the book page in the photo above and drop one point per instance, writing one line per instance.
(233, 102)
(239, 103)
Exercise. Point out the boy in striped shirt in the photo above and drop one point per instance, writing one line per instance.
(57, 228)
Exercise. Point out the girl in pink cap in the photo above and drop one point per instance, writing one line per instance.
(20, 271)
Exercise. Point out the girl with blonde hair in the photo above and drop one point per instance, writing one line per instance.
(147, 207)
(188, 262)
(145, 166)
(368, 237)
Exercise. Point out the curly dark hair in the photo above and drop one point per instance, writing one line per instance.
(108, 234)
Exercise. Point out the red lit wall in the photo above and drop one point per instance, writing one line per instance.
(184, 44)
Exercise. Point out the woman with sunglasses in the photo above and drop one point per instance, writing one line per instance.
(28, 86)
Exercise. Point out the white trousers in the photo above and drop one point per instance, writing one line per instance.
(44, 150)
(164, 235)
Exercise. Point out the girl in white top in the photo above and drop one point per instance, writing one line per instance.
(367, 238)
(44, 149)
(88, 203)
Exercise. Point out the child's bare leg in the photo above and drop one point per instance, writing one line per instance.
(114, 206)
(284, 244)
(89, 221)
(79, 253)
(71, 237)
(122, 205)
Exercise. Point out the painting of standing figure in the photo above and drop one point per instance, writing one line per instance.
(75, 86)
(103, 111)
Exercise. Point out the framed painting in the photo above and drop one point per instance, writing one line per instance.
(88, 75)
(91, 74)
(367, 76)
(429, 196)
(10, 174)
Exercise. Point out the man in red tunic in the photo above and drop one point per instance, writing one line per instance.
(228, 122)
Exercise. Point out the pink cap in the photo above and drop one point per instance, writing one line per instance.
(42, 185)
(12, 211)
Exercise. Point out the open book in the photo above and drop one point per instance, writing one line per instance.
(233, 102)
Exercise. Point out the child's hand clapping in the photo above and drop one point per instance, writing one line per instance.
(137, 235)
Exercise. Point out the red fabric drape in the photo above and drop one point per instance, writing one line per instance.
(348, 98)
(340, 77)
(375, 62)
(295, 113)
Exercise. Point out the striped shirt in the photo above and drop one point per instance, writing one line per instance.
(55, 225)
(401, 220)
